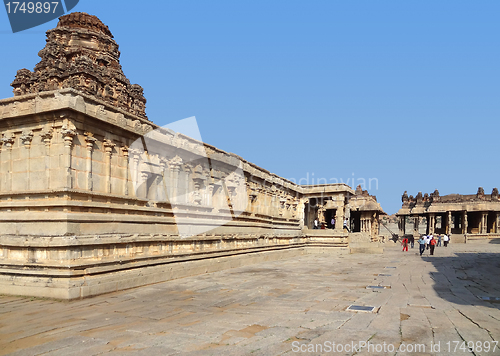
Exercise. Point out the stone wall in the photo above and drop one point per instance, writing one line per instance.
(94, 197)
(88, 190)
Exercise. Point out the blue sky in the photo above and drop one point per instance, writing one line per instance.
(403, 92)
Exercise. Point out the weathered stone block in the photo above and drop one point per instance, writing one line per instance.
(38, 180)
(37, 164)
(19, 166)
(19, 182)
(37, 149)
(98, 167)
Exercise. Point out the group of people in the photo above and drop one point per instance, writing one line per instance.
(426, 242)
(316, 224)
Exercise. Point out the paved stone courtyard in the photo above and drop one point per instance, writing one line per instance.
(279, 307)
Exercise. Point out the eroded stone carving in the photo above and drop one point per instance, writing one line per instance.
(81, 54)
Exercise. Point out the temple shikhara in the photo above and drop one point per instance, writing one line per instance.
(94, 197)
(464, 217)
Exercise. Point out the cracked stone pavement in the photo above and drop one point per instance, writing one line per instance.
(279, 308)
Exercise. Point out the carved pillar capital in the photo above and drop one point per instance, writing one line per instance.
(163, 163)
(8, 141)
(125, 151)
(135, 153)
(90, 140)
(46, 136)
(26, 138)
(175, 163)
(68, 134)
(108, 146)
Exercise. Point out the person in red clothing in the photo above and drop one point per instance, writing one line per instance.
(404, 243)
(432, 245)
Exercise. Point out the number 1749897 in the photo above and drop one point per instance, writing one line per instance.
(31, 7)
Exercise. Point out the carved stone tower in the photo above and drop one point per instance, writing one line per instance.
(81, 54)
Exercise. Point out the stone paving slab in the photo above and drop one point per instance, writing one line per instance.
(295, 306)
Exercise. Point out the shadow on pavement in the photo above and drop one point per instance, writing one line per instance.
(467, 278)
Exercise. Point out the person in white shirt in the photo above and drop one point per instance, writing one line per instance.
(346, 224)
(446, 239)
(428, 239)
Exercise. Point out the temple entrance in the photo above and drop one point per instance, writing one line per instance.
(355, 221)
(473, 222)
(492, 218)
(441, 222)
(456, 226)
(329, 214)
(310, 213)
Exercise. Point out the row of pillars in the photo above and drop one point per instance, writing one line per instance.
(431, 223)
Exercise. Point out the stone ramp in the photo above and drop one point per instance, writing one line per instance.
(360, 242)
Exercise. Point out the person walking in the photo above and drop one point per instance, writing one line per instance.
(432, 243)
(421, 244)
(315, 226)
(346, 224)
(446, 239)
(439, 241)
(412, 241)
(333, 223)
(404, 243)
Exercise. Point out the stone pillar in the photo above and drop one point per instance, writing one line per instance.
(175, 166)
(465, 223)
(432, 223)
(164, 179)
(142, 191)
(8, 142)
(134, 177)
(321, 214)
(274, 202)
(484, 223)
(449, 225)
(339, 219)
(26, 138)
(198, 185)
(47, 138)
(108, 148)
(125, 151)
(189, 185)
(416, 224)
(402, 225)
(68, 134)
(497, 222)
(90, 140)
(374, 231)
(210, 192)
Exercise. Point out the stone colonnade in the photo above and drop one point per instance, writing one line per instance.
(455, 222)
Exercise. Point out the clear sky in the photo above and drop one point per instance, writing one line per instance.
(403, 92)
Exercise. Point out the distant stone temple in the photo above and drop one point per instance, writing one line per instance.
(464, 217)
(94, 197)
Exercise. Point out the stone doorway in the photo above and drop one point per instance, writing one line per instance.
(355, 221)
(310, 212)
(329, 214)
(491, 224)
(473, 222)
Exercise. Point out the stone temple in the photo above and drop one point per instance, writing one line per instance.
(94, 197)
(463, 217)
